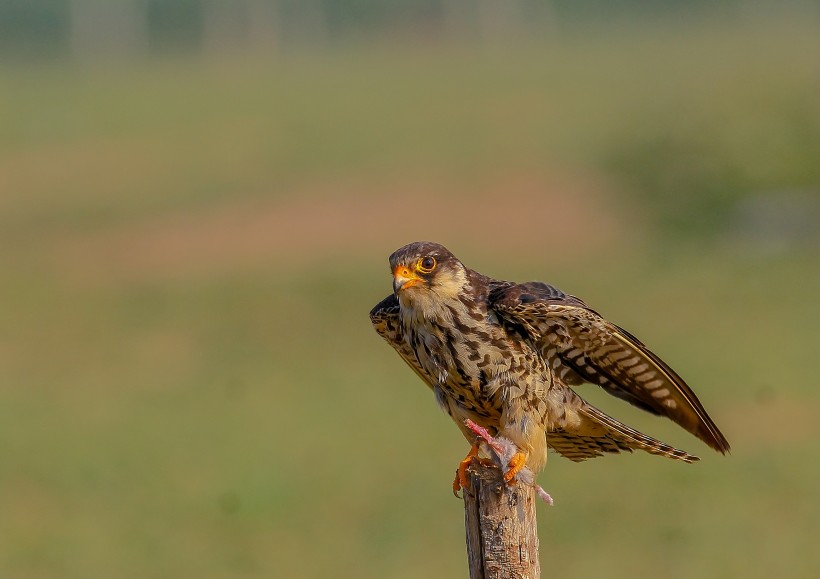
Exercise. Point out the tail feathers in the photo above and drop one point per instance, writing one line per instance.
(599, 434)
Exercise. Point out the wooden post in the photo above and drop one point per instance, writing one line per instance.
(502, 535)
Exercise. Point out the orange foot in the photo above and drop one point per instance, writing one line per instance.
(517, 462)
(462, 481)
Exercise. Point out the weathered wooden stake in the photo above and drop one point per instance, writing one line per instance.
(502, 535)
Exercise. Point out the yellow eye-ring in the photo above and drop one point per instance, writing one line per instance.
(426, 265)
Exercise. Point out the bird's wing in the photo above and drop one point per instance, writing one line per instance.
(580, 346)
(385, 319)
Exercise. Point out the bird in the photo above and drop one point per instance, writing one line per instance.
(505, 355)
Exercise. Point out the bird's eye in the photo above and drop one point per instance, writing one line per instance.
(427, 264)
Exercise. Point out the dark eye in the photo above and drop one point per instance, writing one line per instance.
(427, 264)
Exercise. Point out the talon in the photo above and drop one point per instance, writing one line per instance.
(462, 481)
(517, 462)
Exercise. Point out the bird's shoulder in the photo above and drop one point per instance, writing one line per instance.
(509, 296)
(386, 320)
(387, 307)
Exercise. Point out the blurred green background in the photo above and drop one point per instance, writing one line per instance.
(197, 202)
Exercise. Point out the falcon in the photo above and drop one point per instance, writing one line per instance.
(503, 355)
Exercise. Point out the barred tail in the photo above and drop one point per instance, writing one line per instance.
(599, 434)
(636, 439)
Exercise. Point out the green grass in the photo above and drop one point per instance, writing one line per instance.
(189, 429)
(168, 419)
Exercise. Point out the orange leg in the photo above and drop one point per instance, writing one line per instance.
(461, 481)
(517, 462)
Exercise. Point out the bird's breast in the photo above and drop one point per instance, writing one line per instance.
(466, 354)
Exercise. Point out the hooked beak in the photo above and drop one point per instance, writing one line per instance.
(403, 278)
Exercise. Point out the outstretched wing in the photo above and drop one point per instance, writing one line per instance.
(581, 346)
(385, 319)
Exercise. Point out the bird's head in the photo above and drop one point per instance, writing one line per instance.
(424, 271)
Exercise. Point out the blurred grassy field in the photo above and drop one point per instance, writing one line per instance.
(189, 385)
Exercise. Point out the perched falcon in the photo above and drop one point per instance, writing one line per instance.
(504, 356)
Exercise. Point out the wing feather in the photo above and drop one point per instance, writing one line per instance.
(581, 346)
(386, 321)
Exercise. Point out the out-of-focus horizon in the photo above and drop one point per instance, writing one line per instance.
(197, 202)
